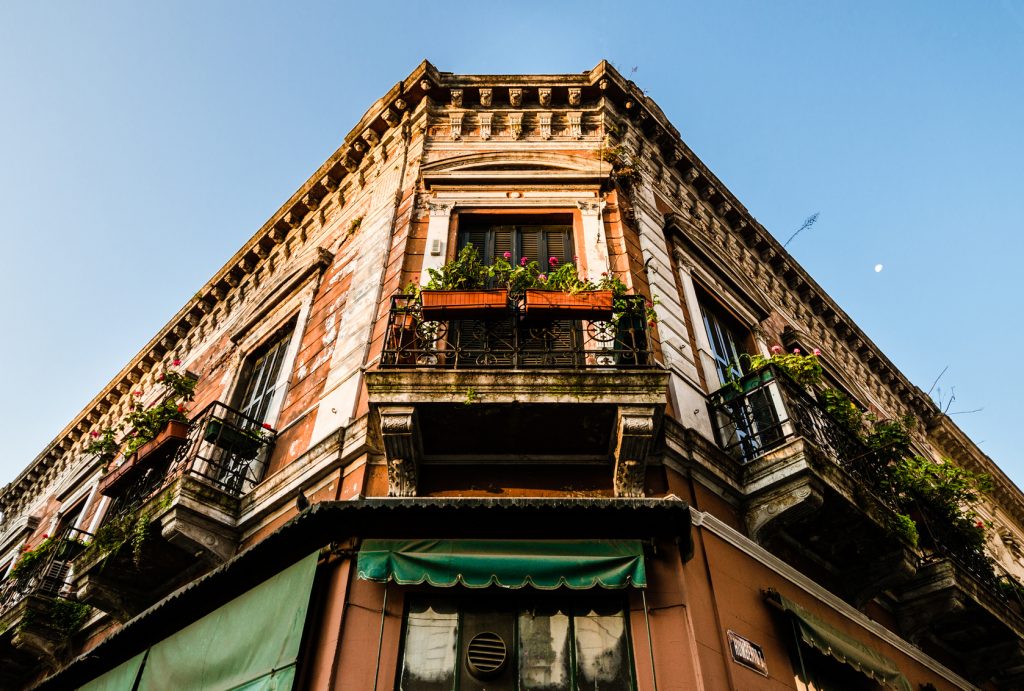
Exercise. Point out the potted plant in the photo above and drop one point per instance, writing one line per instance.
(562, 294)
(161, 427)
(244, 443)
(458, 290)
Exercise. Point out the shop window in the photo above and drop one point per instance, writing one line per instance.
(536, 643)
(264, 378)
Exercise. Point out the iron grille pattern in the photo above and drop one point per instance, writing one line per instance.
(224, 448)
(512, 340)
(49, 575)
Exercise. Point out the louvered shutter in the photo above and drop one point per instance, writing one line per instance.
(502, 241)
(477, 237)
(557, 245)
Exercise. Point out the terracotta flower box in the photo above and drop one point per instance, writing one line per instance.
(437, 305)
(595, 305)
(166, 442)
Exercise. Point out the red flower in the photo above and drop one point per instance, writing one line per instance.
(46, 535)
(181, 408)
(552, 260)
(507, 255)
(136, 393)
(94, 434)
(161, 377)
(523, 261)
(266, 425)
(979, 524)
(175, 362)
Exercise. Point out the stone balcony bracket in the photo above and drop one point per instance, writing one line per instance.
(403, 448)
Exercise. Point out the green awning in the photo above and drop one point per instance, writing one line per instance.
(250, 643)
(833, 642)
(543, 564)
(121, 678)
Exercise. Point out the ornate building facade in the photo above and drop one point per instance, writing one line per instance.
(360, 493)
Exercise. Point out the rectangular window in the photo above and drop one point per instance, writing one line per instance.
(729, 339)
(264, 383)
(535, 643)
(534, 241)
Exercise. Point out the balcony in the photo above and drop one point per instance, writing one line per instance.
(811, 492)
(37, 611)
(453, 392)
(174, 513)
(959, 608)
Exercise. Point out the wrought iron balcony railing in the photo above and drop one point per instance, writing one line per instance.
(512, 340)
(46, 576)
(223, 448)
(766, 409)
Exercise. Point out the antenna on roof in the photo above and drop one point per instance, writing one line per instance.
(808, 222)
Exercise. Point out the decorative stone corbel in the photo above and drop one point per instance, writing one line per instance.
(485, 125)
(390, 117)
(691, 175)
(456, 125)
(371, 138)
(544, 96)
(515, 97)
(634, 432)
(403, 448)
(545, 125)
(576, 125)
(486, 96)
(456, 98)
(575, 96)
(515, 124)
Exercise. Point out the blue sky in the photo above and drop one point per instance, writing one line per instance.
(141, 144)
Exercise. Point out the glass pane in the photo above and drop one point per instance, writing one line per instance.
(431, 633)
(544, 650)
(602, 657)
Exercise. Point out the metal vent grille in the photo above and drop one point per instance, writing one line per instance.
(486, 655)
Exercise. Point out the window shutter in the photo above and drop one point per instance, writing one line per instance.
(502, 242)
(476, 237)
(530, 244)
(557, 246)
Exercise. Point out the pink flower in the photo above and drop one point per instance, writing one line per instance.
(552, 260)
(542, 277)
(507, 255)
(175, 362)
(776, 349)
(161, 377)
(817, 351)
(136, 393)
(796, 351)
(94, 434)
(522, 262)
(575, 258)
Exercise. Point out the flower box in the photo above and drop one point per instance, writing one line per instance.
(595, 305)
(165, 443)
(437, 305)
(243, 443)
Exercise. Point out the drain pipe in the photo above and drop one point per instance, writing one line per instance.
(406, 136)
(650, 644)
(380, 638)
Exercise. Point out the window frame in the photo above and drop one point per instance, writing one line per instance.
(514, 605)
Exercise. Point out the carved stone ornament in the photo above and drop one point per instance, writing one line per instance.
(486, 96)
(575, 96)
(634, 437)
(371, 137)
(456, 98)
(545, 125)
(691, 175)
(485, 125)
(402, 447)
(576, 125)
(329, 182)
(441, 209)
(515, 97)
(544, 96)
(515, 125)
(426, 85)
(310, 202)
(390, 117)
(456, 125)
(603, 85)
(591, 208)
(400, 104)
(724, 208)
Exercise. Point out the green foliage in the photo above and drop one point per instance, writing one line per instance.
(67, 616)
(465, 272)
(32, 559)
(842, 410)
(889, 440)
(805, 370)
(468, 272)
(904, 526)
(129, 530)
(143, 424)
